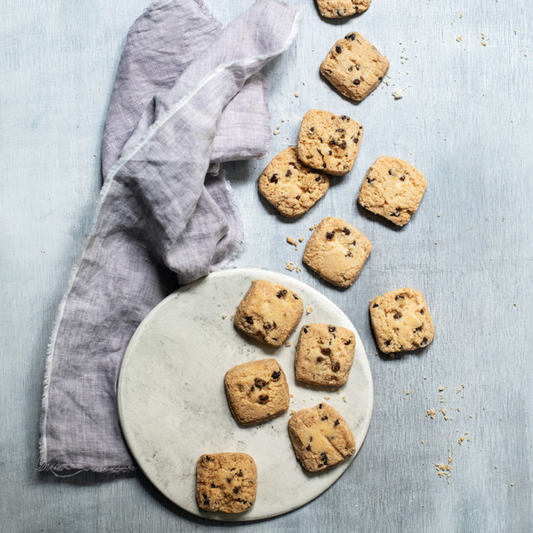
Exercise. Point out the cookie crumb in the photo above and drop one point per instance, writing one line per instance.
(224, 316)
(461, 439)
(441, 389)
(309, 310)
(292, 412)
(292, 242)
(288, 344)
(345, 398)
(276, 132)
(398, 94)
(326, 397)
(431, 413)
(296, 94)
(301, 239)
(186, 383)
(289, 265)
(298, 269)
(407, 392)
(459, 39)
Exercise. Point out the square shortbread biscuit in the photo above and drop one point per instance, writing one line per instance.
(401, 321)
(337, 251)
(329, 142)
(393, 189)
(290, 186)
(354, 66)
(257, 391)
(342, 8)
(320, 437)
(226, 482)
(324, 354)
(268, 312)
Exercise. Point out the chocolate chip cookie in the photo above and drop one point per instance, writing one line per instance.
(333, 9)
(226, 482)
(320, 437)
(257, 391)
(401, 321)
(354, 66)
(329, 142)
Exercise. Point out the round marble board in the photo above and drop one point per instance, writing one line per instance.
(173, 407)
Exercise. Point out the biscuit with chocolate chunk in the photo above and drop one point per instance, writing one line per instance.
(329, 142)
(320, 437)
(354, 66)
(401, 321)
(337, 251)
(226, 482)
(290, 186)
(324, 354)
(393, 189)
(269, 312)
(333, 9)
(257, 391)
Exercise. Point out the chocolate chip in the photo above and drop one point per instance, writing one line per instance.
(336, 422)
(332, 142)
(419, 328)
(330, 152)
(402, 178)
(421, 311)
(324, 457)
(288, 173)
(375, 305)
(391, 172)
(236, 490)
(276, 375)
(349, 254)
(331, 329)
(213, 486)
(355, 140)
(310, 438)
(350, 69)
(319, 359)
(380, 78)
(354, 243)
(330, 235)
(252, 388)
(349, 341)
(263, 398)
(340, 13)
(239, 474)
(320, 406)
(351, 36)
(318, 178)
(336, 367)
(259, 383)
(397, 315)
(326, 351)
(249, 319)
(398, 296)
(340, 130)
(356, 82)
(295, 297)
(308, 448)
(370, 180)
(342, 145)
(306, 329)
(387, 343)
(267, 326)
(395, 214)
(324, 165)
(312, 129)
(346, 231)
(293, 164)
(338, 49)
(344, 117)
(274, 178)
(325, 417)
(282, 293)
(424, 340)
(297, 197)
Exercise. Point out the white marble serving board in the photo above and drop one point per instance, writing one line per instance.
(173, 406)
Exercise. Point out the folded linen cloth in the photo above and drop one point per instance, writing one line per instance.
(186, 96)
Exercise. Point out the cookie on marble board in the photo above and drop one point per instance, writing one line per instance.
(324, 354)
(354, 66)
(320, 437)
(393, 189)
(290, 186)
(257, 391)
(226, 482)
(269, 312)
(329, 142)
(401, 321)
(337, 251)
(332, 9)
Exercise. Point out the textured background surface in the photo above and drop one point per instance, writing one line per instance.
(466, 121)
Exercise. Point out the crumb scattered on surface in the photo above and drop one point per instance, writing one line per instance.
(296, 94)
(309, 310)
(398, 94)
(345, 398)
(301, 239)
(298, 269)
(276, 132)
(224, 316)
(292, 412)
(441, 389)
(292, 242)
(326, 397)
(288, 344)
(431, 413)
(459, 39)
(289, 265)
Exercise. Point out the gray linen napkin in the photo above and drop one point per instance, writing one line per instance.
(187, 95)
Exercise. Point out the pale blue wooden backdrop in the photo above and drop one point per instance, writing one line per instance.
(466, 121)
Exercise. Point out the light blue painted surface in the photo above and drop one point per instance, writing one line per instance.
(466, 121)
